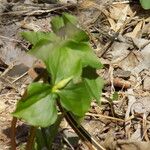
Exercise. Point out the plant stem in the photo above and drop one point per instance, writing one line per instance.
(13, 133)
(30, 141)
(78, 129)
(14, 121)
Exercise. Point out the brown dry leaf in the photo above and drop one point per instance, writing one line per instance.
(136, 33)
(68, 1)
(119, 51)
(132, 145)
(145, 53)
(146, 85)
(2, 106)
(11, 54)
(86, 4)
(130, 62)
(131, 101)
(137, 135)
(146, 26)
(30, 26)
(141, 106)
(119, 15)
(115, 13)
(111, 144)
(112, 23)
(122, 18)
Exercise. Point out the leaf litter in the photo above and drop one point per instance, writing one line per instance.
(116, 124)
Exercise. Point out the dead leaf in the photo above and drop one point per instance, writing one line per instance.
(137, 135)
(11, 54)
(136, 33)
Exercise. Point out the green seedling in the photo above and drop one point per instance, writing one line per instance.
(71, 65)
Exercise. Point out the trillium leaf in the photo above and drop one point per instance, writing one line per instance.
(93, 82)
(38, 108)
(75, 98)
(84, 51)
(42, 50)
(68, 18)
(145, 4)
(69, 31)
(63, 64)
(60, 60)
(35, 37)
(57, 23)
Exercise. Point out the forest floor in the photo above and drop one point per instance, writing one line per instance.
(119, 32)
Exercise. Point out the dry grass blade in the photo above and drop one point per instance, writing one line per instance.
(104, 116)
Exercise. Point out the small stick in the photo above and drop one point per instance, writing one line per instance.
(20, 77)
(104, 116)
(124, 2)
(10, 39)
(13, 133)
(13, 126)
(119, 82)
(31, 137)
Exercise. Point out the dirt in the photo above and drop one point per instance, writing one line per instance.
(119, 33)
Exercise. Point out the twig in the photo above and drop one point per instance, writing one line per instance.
(123, 2)
(66, 140)
(20, 77)
(13, 126)
(104, 116)
(9, 68)
(14, 40)
(13, 133)
(120, 30)
(81, 132)
(131, 101)
(10, 39)
(9, 83)
(121, 83)
(30, 141)
(37, 12)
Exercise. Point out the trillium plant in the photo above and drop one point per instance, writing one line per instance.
(71, 65)
(145, 4)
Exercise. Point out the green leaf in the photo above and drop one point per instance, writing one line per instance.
(75, 98)
(57, 23)
(60, 60)
(38, 108)
(115, 96)
(84, 51)
(42, 50)
(93, 82)
(40, 141)
(69, 31)
(51, 132)
(35, 37)
(68, 18)
(46, 136)
(63, 64)
(145, 4)
(66, 58)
